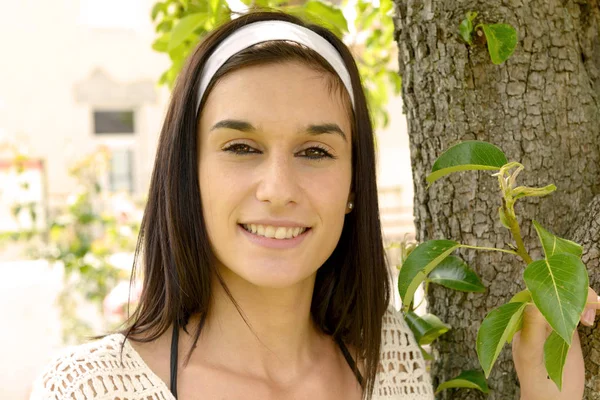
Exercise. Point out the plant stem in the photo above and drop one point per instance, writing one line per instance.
(491, 249)
(516, 232)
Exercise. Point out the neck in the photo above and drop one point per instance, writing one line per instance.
(276, 335)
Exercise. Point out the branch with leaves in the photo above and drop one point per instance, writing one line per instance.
(556, 284)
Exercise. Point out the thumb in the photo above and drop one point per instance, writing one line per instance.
(528, 343)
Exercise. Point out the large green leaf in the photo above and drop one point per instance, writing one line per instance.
(455, 274)
(186, 27)
(419, 264)
(328, 15)
(559, 288)
(496, 328)
(554, 245)
(426, 328)
(555, 356)
(472, 379)
(467, 156)
(501, 41)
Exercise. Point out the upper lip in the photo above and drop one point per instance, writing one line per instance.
(282, 223)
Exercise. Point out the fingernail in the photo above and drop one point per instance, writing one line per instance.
(589, 316)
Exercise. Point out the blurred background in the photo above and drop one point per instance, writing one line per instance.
(84, 86)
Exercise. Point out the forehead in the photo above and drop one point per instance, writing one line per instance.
(285, 93)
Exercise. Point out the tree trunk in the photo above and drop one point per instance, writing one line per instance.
(541, 107)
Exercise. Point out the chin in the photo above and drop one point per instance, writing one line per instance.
(273, 275)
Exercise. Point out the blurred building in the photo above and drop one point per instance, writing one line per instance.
(78, 74)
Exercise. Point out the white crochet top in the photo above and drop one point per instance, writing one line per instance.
(94, 370)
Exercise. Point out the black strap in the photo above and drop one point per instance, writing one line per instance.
(175, 347)
(174, 352)
(351, 362)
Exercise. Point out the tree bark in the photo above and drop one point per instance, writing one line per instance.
(541, 107)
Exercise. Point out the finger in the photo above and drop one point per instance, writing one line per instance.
(588, 316)
(593, 300)
(535, 330)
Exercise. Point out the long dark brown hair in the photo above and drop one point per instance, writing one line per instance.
(352, 287)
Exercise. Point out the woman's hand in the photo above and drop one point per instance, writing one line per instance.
(528, 356)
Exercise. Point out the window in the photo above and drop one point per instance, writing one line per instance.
(115, 129)
(121, 170)
(114, 122)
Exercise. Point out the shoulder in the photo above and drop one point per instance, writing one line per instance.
(96, 370)
(402, 369)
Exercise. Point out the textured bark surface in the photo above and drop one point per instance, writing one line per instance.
(541, 107)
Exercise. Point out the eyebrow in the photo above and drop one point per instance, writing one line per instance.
(314, 129)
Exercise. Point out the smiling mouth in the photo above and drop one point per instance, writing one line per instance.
(274, 232)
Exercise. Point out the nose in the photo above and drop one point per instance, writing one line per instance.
(277, 181)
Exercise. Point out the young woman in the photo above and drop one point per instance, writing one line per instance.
(261, 250)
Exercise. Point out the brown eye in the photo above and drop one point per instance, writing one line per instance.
(240, 148)
(316, 153)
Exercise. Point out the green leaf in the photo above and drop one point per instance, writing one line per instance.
(559, 288)
(158, 7)
(496, 328)
(186, 27)
(426, 328)
(214, 6)
(419, 264)
(501, 41)
(524, 296)
(454, 273)
(554, 245)
(426, 355)
(161, 44)
(555, 356)
(524, 191)
(327, 15)
(465, 156)
(466, 27)
(472, 379)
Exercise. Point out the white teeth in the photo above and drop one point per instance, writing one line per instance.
(280, 233)
(289, 233)
(270, 231)
(274, 231)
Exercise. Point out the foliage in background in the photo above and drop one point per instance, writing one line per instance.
(556, 284)
(181, 24)
(83, 238)
(19, 161)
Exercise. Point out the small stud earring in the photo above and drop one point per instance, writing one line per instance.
(350, 205)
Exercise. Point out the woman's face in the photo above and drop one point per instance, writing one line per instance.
(275, 172)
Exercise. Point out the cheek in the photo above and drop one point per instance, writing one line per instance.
(328, 193)
(217, 191)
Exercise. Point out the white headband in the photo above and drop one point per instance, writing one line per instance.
(264, 31)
